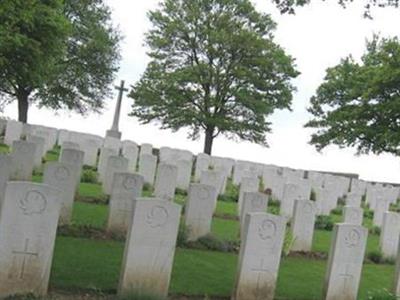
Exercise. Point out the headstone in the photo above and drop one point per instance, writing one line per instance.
(252, 202)
(165, 183)
(184, 173)
(396, 281)
(63, 176)
(147, 167)
(247, 184)
(199, 210)
(105, 153)
(91, 149)
(302, 225)
(23, 159)
(40, 149)
(131, 152)
(75, 158)
(353, 199)
(70, 145)
(146, 149)
(5, 174)
(126, 188)
(115, 164)
(291, 193)
(381, 206)
(214, 178)
(112, 143)
(353, 215)
(259, 257)
(28, 224)
(149, 248)
(346, 255)
(13, 132)
(202, 164)
(389, 237)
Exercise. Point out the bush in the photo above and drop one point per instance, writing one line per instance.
(324, 223)
(89, 176)
(369, 214)
(211, 242)
(231, 193)
(383, 294)
(375, 230)
(375, 257)
(341, 201)
(338, 211)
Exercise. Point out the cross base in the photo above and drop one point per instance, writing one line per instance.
(114, 134)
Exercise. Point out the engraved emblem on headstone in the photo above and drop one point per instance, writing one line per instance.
(353, 238)
(33, 203)
(267, 230)
(62, 173)
(157, 217)
(26, 254)
(129, 183)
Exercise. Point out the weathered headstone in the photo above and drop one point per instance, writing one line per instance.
(75, 158)
(146, 149)
(291, 193)
(214, 178)
(165, 183)
(105, 153)
(112, 143)
(149, 248)
(91, 149)
(63, 176)
(131, 151)
(70, 145)
(23, 159)
(115, 164)
(202, 164)
(259, 257)
(346, 255)
(303, 225)
(353, 199)
(252, 202)
(147, 167)
(381, 206)
(40, 149)
(5, 174)
(28, 224)
(353, 215)
(13, 132)
(126, 188)
(389, 237)
(199, 209)
(247, 184)
(184, 173)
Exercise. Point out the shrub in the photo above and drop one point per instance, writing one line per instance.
(338, 211)
(341, 201)
(89, 176)
(375, 256)
(375, 230)
(211, 242)
(368, 213)
(180, 192)
(313, 196)
(324, 222)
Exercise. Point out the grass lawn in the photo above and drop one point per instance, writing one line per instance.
(4, 148)
(95, 265)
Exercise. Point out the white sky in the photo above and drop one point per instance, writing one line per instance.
(317, 36)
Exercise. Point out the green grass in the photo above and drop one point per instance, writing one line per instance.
(94, 215)
(4, 148)
(95, 265)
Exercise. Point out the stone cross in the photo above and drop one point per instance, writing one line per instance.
(114, 131)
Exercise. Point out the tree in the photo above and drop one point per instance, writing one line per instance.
(214, 68)
(58, 54)
(289, 6)
(358, 104)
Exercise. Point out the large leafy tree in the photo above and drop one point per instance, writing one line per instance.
(358, 104)
(289, 6)
(215, 69)
(60, 54)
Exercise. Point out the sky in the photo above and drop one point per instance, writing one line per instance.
(318, 36)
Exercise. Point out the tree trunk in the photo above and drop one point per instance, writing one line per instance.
(23, 107)
(208, 140)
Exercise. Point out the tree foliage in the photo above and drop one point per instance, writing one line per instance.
(358, 104)
(289, 6)
(58, 54)
(214, 68)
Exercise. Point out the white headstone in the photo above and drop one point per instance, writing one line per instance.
(126, 188)
(5, 174)
(147, 167)
(165, 183)
(302, 225)
(28, 224)
(291, 193)
(63, 176)
(252, 202)
(149, 248)
(389, 237)
(259, 257)
(13, 132)
(105, 153)
(214, 178)
(199, 210)
(115, 164)
(131, 152)
(184, 173)
(23, 159)
(381, 206)
(247, 184)
(75, 158)
(40, 148)
(202, 164)
(353, 199)
(146, 149)
(353, 215)
(346, 255)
